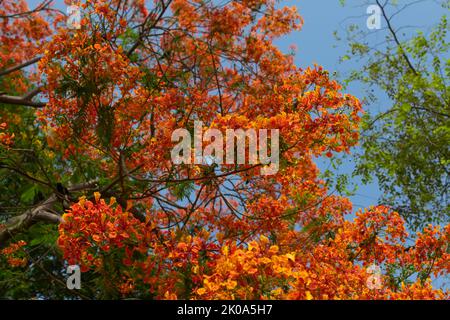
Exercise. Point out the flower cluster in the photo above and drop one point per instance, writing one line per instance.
(6, 139)
(14, 254)
(334, 268)
(90, 228)
(298, 265)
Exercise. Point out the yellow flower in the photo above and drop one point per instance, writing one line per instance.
(277, 292)
(274, 249)
(231, 284)
(265, 260)
(195, 269)
(201, 291)
(81, 201)
(291, 256)
(225, 250)
(264, 239)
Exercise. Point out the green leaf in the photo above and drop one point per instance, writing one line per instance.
(29, 194)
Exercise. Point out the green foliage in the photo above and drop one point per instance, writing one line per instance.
(406, 145)
(28, 175)
(182, 190)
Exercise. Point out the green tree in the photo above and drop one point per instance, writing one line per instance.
(406, 145)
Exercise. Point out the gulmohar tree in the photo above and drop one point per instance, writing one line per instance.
(87, 176)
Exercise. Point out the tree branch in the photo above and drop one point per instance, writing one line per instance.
(43, 212)
(21, 101)
(19, 66)
(394, 35)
